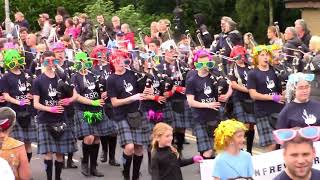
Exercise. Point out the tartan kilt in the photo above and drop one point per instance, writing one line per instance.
(204, 139)
(240, 114)
(46, 143)
(167, 114)
(183, 120)
(265, 131)
(103, 128)
(26, 135)
(139, 136)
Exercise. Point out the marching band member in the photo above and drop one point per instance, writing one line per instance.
(133, 128)
(54, 135)
(91, 122)
(175, 93)
(242, 103)
(17, 92)
(202, 96)
(103, 69)
(265, 89)
(301, 110)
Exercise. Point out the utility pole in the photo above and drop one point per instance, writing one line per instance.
(7, 20)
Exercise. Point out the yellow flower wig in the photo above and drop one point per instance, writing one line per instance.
(225, 131)
(259, 49)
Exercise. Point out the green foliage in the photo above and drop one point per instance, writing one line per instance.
(100, 7)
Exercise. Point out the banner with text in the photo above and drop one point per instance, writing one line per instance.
(266, 165)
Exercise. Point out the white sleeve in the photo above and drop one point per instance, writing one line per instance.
(5, 170)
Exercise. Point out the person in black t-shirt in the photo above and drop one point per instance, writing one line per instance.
(2, 100)
(54, 135)
(17, 92)
(242, 103)
(265, 89)
(202, 96)
(301, 111)
(133, 128)
(298, 154)
(103, 69)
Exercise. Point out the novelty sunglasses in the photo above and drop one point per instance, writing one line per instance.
(283, 135)
(208, 64)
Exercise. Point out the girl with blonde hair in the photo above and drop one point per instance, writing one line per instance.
(166, 162)
(231, 162)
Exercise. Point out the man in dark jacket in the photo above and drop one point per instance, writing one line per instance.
(105, 31)
(86, 29)
(302, 31)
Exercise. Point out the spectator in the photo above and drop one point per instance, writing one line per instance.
(86, 29)
(302, 31)
(128, 35)
(45, 25)
(20, 20)
(71, 30)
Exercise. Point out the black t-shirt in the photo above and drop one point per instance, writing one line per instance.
(103, 74)
(299, 115)
(204, 91)
(123, 86)
(86, 87)
(46, 89)
(315, 175)
(173, 73)
(240, 74)
(158, 88)
(17, 87)
(265, 82)
(2, 85)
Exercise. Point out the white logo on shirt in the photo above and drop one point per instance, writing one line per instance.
(91, 86)
(245, 75)
(270, 84)
(52, 92)
(308, 118)
(128, 87)
(207, 90)
(22, 86)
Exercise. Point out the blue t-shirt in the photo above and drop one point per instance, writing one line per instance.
(299, 115)
(229, 166)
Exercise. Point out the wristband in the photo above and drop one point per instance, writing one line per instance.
(156, 98)
(276, 98)
(179, 89)
(96, 102)
(54, 109)
(22, 103)
(169, 93)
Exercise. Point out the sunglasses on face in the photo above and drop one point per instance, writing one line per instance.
(48, 61)
(83, 65)
(208, 64)
(15, 62)
(283, 135)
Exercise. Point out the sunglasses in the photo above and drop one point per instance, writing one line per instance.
(208, 64)
(83, 65)
(283, 135)
(12, 64)
(48, 61)
(4, 125)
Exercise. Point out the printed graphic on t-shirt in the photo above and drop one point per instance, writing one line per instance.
(207, 90)
(91, 86)
(106, 74)
(52, 92)
(270, 84)
(245, 75)
(128, 87)
(21, 86)
(308, 118)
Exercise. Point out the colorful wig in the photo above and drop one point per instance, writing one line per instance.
(225, 131)
(259, 49)
(99, 52)
(57, 46)
(239, 51)
(293, 81)
(201, 53)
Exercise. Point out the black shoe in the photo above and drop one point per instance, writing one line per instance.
(103, 157)
(71, 164)
(125, 176)
(113, 162)
(95, 172)
(85, 169)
